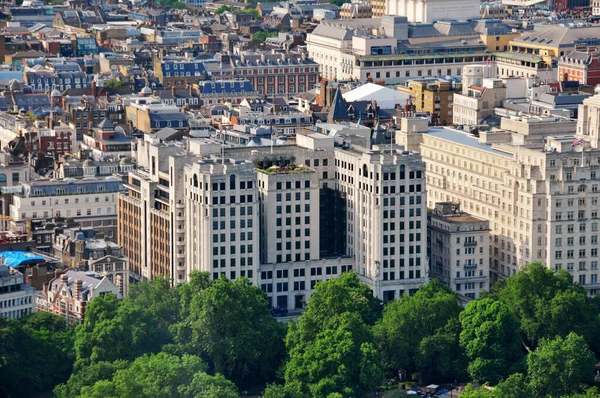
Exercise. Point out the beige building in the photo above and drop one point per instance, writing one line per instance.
(356, 9)
(428, 11)
(459, 249)
(480, 95)
(529, 181)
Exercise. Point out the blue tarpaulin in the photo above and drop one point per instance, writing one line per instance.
(20, 258)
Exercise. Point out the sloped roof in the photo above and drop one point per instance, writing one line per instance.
(106, 125)
(338, 109)
(333, 32)
(557, 35)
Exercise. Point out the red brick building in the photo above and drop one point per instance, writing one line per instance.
(582, 65)
(56, 141)
(269, 73)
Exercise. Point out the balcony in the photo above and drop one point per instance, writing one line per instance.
(470, 243)
(470, 265)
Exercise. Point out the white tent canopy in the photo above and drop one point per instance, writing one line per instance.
(386, 97)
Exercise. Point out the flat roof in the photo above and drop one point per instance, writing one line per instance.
(463, 138)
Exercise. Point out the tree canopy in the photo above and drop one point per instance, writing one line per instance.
(230, 324)
(549, 304)
(163, 376)
(36, 354)
(491, 341)
(114, 82)
(331, 346)
(416, 332)
(534, 336)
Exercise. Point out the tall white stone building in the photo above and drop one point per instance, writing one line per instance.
(285, 217)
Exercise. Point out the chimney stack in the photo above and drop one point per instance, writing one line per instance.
(94, 94)
(77, 289)
(64, 278)
(173, 91)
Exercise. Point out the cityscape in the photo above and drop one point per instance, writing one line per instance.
(301, 198)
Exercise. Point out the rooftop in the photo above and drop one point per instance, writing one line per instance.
(290, 169)
(463, 138)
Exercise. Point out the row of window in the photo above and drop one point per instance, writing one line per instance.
(412, 262)
(221, 200)
(580, 215)
(232, 274)
(78, 212)
(297, 209)
(402, 200)
(232, 224)
(390, 276)
(571, 228)
(288, 233)
(221, 238)
(15, 302)
(297, 221)
(571, 253)
(76, 200)
(571, 240)
(222, 263)
(288, 196)
(288, 184)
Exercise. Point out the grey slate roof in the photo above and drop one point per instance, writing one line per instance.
(106, 125)
(559, 34)
(338, 109)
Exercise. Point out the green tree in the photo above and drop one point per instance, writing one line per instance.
(163, 376)
(491, 341)
(440, 356)
(411, 334)
(593, 392)
(36, 354)
(114, 83)
(341, 360)
(515, 386)
(12, 363)
(252, 11)
(49, 348)
(230, 325)
(560, 366)
(223, 9)
(328, 301)
(31, 117)
(262, 35)
(549, 304)
(88, 377)
(124, 329)
(288, 390)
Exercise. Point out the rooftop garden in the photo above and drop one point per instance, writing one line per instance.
(280, 165)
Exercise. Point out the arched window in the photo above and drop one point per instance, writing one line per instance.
(581, 188)
(232, 181)
(365, 171)
(195, 180)
(402, 171)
